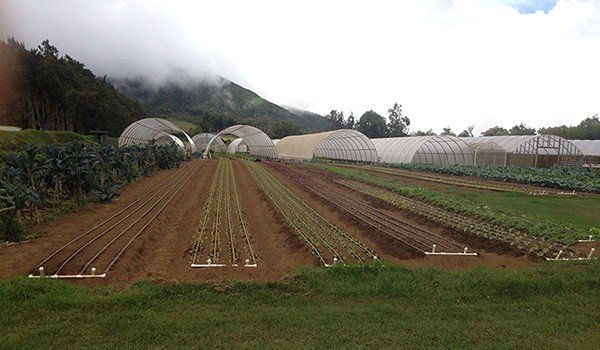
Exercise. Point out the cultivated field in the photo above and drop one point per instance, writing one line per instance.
(263, 220)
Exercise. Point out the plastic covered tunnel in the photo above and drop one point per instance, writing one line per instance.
(344, 144)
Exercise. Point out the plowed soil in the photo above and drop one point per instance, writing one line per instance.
(162, 251)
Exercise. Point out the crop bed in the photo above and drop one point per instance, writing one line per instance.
(223, 227)
(461, 181)
(416, 238)
(526, 243)
(93, 253)
(326, 241)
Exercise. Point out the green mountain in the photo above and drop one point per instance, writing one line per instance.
(219, 104)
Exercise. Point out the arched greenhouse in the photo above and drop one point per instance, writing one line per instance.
(542, 151)
(202, 140)
(591, 152)
(344, 144)
(144, 130)
(258, 143)
(435, 149)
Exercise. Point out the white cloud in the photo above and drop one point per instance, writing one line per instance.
(449, 63)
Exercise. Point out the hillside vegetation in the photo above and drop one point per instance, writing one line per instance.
(218, 104)
(42, 90)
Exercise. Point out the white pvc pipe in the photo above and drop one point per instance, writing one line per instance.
(591, 253)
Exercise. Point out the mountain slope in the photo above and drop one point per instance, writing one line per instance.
(217, 105)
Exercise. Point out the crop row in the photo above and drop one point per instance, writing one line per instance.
(327, 242)
(222, 224)
(558, 178)
(454, 181)
(565, 234)
(524, 242)
(415, 238)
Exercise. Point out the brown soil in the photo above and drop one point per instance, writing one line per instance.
(162, 251)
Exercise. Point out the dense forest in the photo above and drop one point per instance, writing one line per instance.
(42, 90)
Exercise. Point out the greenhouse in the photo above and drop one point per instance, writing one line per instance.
(591, 152)
(144, 130)
(542, 151)
(257, 142)
(237, 146)
(343, 144)
(202, 140)
(435, 149)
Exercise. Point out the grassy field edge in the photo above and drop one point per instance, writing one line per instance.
(549, 306)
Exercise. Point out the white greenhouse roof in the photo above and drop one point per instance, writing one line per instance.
(530, 144)
(588, 147)
(237, 145)
(202, 140)
(259, 144)
(344, 144)
(144, 130)
(434, 149)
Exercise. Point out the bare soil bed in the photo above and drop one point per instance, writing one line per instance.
(162, 251)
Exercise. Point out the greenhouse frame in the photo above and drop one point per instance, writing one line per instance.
(434, 149)
(237, 146)
(202, 140)
(591, 152)
(541, 151)
(144, 130)
(259, 144)
(344, 144)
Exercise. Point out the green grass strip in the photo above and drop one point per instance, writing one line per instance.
(552, 306)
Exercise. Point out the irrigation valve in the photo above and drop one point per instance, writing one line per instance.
(41, 271)
(247, 262)
(93, 271)
(465, 252)
(591, 253)
(433, 250)
(559, 254)
(208, 261)
(334, 260)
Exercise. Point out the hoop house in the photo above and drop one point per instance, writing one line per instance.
(341, 144)
(259, 144)
(202, 140)
(144, 130)
(237, 146)
(437, 150)
(591, 152)
(541, 151)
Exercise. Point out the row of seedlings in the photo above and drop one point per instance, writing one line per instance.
(326, 241)
(454, 181)
(411, 236)
(223, 225)
(529, 244)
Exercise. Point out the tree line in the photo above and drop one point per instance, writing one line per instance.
(45, 91)
(371, 123)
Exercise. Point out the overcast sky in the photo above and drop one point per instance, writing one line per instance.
(448, 62)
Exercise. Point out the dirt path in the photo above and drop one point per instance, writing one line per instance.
(162, 251)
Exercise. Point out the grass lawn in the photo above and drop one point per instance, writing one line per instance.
(579, 211)
(552, 306)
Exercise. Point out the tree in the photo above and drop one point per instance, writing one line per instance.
(351, 123)
(283, 128)
(372, 125)
(588, 129)
(447, 131)
(495, 131)
(335, 120)
(468, 132)
(521, 129)
(423, 133)
(398, 124)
